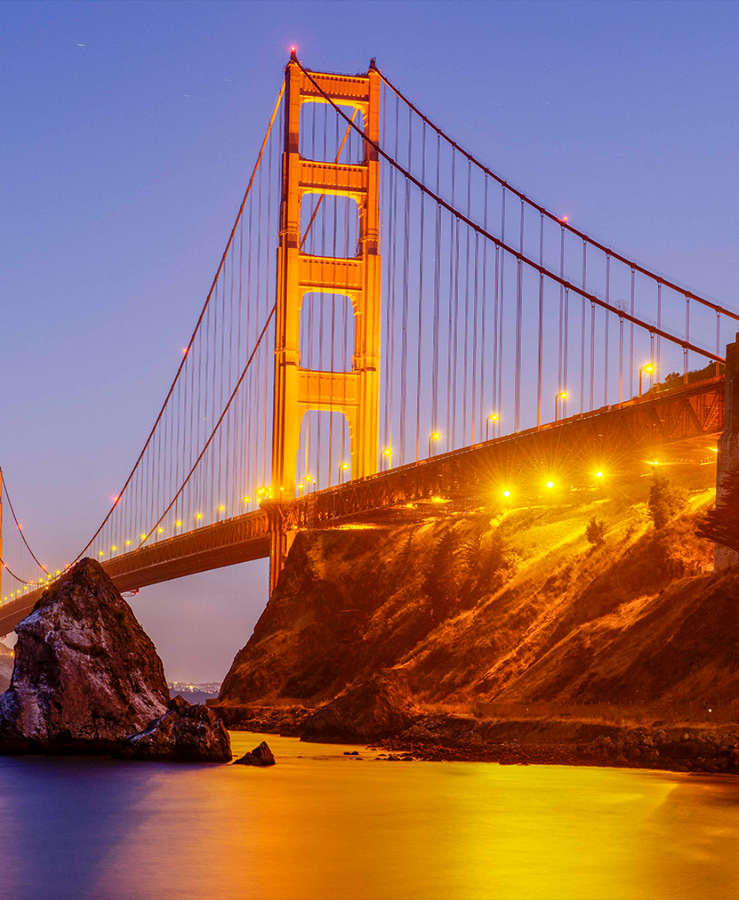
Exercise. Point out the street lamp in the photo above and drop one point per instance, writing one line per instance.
(343, 467)
(434, 436)
(491, 420)
(646, 369)
(559, 397)
(387, 454)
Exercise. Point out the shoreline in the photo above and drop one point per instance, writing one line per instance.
(679, 747)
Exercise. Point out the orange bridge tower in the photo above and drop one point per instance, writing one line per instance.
(354, 393)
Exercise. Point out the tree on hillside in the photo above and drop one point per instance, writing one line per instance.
(666, 500)
(596, 531)
(721, 524)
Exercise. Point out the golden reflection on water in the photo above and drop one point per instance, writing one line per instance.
(323, 825)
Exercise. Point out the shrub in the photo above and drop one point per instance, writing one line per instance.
(666, 500)
(596, 531)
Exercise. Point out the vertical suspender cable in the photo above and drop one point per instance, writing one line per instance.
(540, 335)
(419, 337)
(483, 336)
(519, 311)
(607, 319)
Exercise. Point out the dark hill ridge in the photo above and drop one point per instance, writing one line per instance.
(499, 614)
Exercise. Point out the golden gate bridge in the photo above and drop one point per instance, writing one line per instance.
(390, 324)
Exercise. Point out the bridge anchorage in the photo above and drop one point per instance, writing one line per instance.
(425, 332)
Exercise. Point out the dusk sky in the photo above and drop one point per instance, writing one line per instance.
(128, 134)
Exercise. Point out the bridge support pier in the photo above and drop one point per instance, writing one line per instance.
(728, 445)
(281, 537)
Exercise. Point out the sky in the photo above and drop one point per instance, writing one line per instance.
(129, 131)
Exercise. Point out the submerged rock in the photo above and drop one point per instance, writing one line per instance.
(261, 755)
(86, 674)
(186, 732)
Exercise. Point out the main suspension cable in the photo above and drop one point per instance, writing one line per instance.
(18, 525)
(553, 216)
(214, 431)
(195, 330)
(516, 254)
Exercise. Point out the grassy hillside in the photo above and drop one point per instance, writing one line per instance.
(506, 607)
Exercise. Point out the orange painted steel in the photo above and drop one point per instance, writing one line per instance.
(628, 430)
(297, 390)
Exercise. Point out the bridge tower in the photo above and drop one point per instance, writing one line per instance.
(297, 390)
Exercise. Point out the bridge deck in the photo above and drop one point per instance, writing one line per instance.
(614, 435)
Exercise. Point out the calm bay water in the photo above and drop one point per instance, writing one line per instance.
(323, 825)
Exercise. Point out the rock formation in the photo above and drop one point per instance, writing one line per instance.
(187, 733)
(6, 666)
(369, 710)
(261, 755)
(86, 675)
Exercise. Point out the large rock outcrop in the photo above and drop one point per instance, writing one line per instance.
(6, 666)
(86, 674)
(184, 733)
(372, 709)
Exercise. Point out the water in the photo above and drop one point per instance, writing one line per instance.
(322, 825)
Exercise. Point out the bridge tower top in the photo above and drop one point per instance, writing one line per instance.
(297, 390)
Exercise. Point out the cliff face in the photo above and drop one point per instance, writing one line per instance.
(502, 609)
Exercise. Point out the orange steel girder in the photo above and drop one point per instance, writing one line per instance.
(355, 394)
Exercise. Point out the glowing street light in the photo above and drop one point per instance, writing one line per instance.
(343, 469)
(434, 438)
(549, 484)
(387, 455)
(647, 369)
(506, 493)
(492, 419)
(559, 398)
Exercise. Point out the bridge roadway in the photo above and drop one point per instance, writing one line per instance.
(683, 419)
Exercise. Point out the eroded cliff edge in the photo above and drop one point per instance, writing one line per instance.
(483, 632)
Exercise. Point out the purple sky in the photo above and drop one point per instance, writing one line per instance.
(128, 134)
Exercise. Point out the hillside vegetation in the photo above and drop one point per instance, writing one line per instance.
(507, 611)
